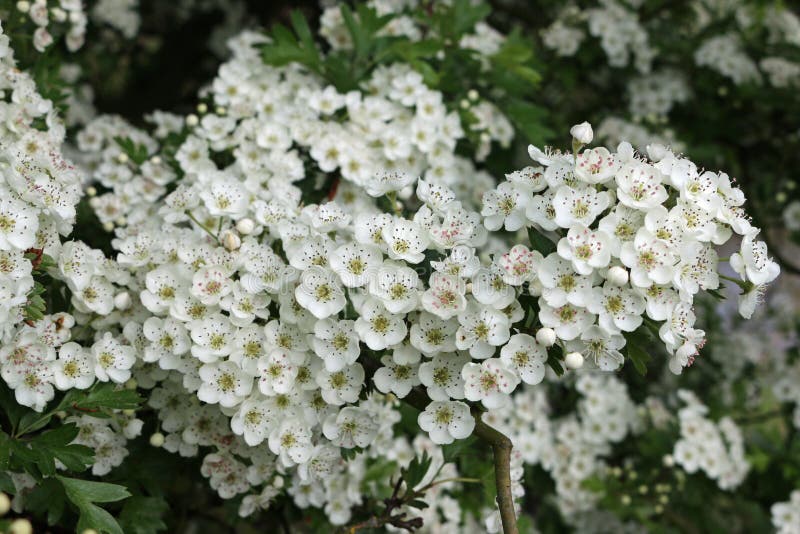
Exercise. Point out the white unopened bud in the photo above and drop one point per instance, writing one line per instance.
(617, 275)
(780, 197)
(23, 6)
(131, 384)
(277, 482)
(5, 504)
(473, 95)
(89, 531)
(155, 160)
(245, 226)
(121, 221)
(128, 413)
(231, 240)
(220, 110)
(668, 460)
(192, 120)
(108, 226)
(91, 191)
(574, 360)
(546, 337)
(464, 103)
(157, 439)
(122, 300)
(202, 108)
(20, 526)
(122, 157)
(582, 133)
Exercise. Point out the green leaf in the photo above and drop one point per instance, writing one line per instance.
(540, 242)
(638, 356)
(107, 395)
(416, 470)
(143, 515)
(452, 451)
(82, 491)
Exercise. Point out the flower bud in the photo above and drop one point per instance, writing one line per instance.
(192, 120)
(155, 160)
(91, 191)
(108, 226)
(157, 439)
(574, 360)
(546, 337)
(617, 275)
(473, 95)
(202, 108)
(128, 413)
(122, 300)
(277, 482)
(668, 460)
(231, 240)
(122, 157)
(131, 384)
(89, 531)
(582, 133)
(23, 6)
(20, 526)
(59, 15)
(5, 504)
(245, 226)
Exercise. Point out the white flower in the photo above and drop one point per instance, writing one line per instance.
(18, 223)
(343, 386)
(386, 182)
(406, 240)
(336, 342)
(167, 337)
(490, 382)
(618, 308)
(504, 206)
(445, 295)
(519, 265)
(526, 356)
(587, 249)
(210, 284)
(74, 367)
(639, 186)
(568, 320)
(278, 371)
(561, 284)
(355, 263)
(752, 262)
(442, 376)
(224, 383)
(395, 377)
(225, 197)
(113, 360)
(253, 420)
(379, 328)
(396, 286)
(489, 288)
(482, 329)
(579, 206)
(600, 347)
(431, 335)
(649, 259)
(595, 166)
(351, 427)
(212, 337)
(291, 441)
(446, 421)
(320, 293)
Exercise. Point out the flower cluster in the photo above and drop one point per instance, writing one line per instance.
(786, 515)
(715, 448)
(50, 17)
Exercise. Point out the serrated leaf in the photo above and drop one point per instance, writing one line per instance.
(107, 395)
(82, 491)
